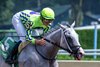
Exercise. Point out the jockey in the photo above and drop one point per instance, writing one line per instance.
(26, 23)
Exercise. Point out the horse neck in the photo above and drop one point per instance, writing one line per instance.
(59, 39)
(49, 50)
(55, 36)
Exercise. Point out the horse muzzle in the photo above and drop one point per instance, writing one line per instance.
(79, 55)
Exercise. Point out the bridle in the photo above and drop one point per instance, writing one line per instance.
(70, 51)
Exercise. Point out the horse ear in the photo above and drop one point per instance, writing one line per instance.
(73, 24)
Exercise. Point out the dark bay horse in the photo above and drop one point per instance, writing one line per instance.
(44, 56)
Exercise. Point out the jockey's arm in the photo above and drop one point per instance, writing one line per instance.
(39, 42)
(33, 40)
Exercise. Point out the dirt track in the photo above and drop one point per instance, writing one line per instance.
(79, 63)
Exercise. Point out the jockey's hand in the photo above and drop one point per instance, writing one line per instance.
(40, 42)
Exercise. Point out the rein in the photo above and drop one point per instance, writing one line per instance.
(57, 45)
(61, 46)
(54, 45)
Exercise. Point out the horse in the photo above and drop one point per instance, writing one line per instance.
(64, 38)
(3, 63)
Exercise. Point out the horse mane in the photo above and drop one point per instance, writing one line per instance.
(52, 30)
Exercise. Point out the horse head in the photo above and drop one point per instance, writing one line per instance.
(72, 40)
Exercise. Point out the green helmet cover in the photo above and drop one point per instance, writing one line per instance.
(48, 13)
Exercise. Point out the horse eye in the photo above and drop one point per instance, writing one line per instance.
(68, 32)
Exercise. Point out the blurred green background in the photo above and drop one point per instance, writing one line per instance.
(82, 11)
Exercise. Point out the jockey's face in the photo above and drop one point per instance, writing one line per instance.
(46, 22)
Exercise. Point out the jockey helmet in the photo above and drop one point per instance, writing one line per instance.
(48, 13)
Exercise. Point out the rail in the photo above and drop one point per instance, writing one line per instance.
(62, 52)
(87, 52)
